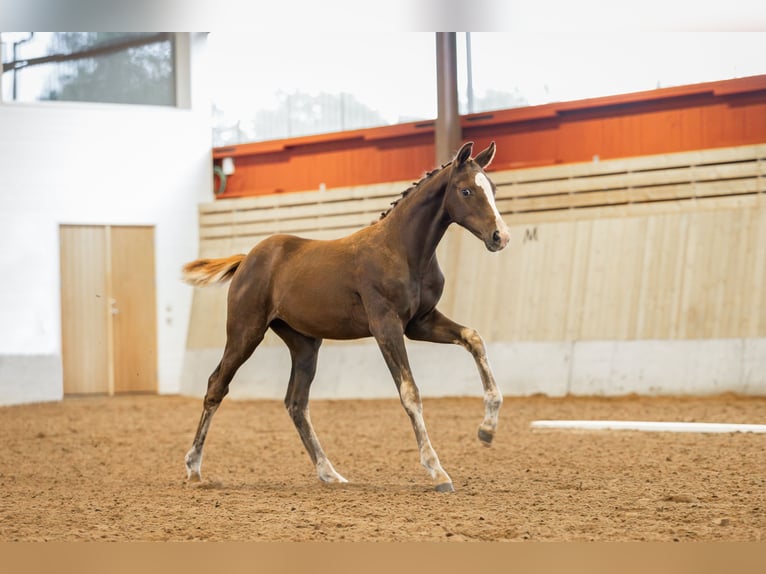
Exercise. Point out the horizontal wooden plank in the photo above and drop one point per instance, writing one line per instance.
(636, 209)
(220, 246)
(372, 206)
(305, 197)
(352, 221)
(752, 168)
(688, 190)
(634, 164)
(732, 187)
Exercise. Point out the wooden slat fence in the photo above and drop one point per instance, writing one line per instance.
(670, 246)
(675, 179)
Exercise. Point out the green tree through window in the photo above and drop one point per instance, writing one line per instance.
(110, 67)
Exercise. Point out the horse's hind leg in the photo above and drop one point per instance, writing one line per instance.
(304, 352)
(238, 349)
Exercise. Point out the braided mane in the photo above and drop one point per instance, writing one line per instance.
(409, 190)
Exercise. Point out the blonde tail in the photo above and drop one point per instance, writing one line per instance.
(206, 271)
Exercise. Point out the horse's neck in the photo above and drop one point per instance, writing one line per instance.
(418, 224)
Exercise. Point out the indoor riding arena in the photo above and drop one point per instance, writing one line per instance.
(601, 267)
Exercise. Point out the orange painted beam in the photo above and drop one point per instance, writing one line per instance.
(684, 118)
(700, 116)
(342, 159)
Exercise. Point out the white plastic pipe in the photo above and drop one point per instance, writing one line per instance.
(650, 426)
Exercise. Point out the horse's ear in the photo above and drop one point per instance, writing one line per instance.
(464, 153)
(484, 158)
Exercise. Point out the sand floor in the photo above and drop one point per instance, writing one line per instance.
(100, 468)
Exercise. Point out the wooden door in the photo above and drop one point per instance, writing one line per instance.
(134, 315)
(108, 309)
(84, 309)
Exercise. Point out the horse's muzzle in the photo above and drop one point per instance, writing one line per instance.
(499, 239)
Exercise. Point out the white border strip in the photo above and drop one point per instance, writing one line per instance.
(650, 426)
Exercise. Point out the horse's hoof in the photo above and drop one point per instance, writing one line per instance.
(445, 487)
(193, 475)
(485, 437)
(328, 474)
(338, 479)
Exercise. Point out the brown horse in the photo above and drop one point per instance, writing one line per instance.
(382, 281)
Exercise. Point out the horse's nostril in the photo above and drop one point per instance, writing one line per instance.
(496, 236)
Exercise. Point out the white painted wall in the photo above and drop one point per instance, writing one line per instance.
(68, 163)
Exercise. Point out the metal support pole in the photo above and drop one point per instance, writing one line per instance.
(448, 133)
(469, 72)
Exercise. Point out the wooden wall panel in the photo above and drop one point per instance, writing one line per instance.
(580, 240)
(688, 275)
(207, 324)
(661, 276)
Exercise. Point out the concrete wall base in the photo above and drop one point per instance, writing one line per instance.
(30, 379)
(605, 368)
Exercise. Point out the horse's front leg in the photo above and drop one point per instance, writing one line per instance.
(389, 334)
(437, 328)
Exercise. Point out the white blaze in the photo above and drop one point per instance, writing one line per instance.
(483, 183)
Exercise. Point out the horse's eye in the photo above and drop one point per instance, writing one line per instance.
(466, 192)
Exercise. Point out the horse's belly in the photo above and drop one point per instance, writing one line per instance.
(333, 314)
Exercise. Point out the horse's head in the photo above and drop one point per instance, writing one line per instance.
(470, 197)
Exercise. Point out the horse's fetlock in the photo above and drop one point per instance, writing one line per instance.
(493, 401)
